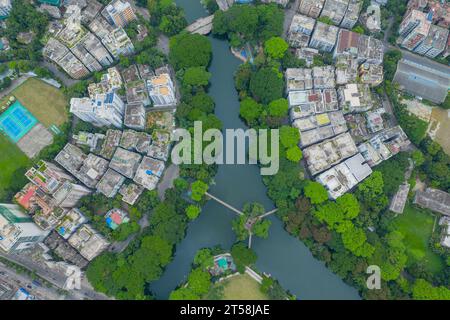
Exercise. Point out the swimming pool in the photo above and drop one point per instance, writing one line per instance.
(16, 121)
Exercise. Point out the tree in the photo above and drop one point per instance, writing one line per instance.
(279, 108)
(183, 293)
(172, 24)
(204, 258)
(196, 77)
(289, 136)
(294, 154)
(242, 256)
(423, 290)
(266, 284)
(192, 211)
(266, 85)
(316, 192)
(199, 281)
(349, 205)
(250, 110)
(198, 188)
(358, 29)
(189, 50)
(276, 47)
(418, 158)
(371, 192)
(354, 240)
(391, 256)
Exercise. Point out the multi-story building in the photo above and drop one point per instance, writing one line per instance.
(135, 116)
(414, 28)
(17, 230)
(352, 14)
(300, 31)
(161, 90)
(47, 176)
(119, 13)
(94, 46)
(115, 39)
(324, 37)
(311, 8)
(434, 43)
(335, 10)
(5, 8)
(105, 110)
(59, 53)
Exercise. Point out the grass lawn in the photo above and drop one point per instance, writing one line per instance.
(241, 287)
(416, 226)
(45, 102)
(11, 159)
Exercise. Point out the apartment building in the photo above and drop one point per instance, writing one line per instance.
(414, 29)
(104, 110)
(434, 43)
(5, 8)
(335, 10)
(161, 90)
(300, 31)
(352, 14)
(17, 230)
(119, 13)
(311, 8)
(324, 37)
(115, 39)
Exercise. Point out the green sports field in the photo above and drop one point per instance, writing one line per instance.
(11, 159)
(416, 225)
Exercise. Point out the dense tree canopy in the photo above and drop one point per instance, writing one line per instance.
(248, 23)
(189, 50)
(316, 192)
(267, 85)
(276, 47)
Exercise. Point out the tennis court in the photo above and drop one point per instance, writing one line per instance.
(16, 121)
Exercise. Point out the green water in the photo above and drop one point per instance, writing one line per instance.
(282, 256)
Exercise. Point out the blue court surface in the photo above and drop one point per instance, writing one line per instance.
(16, 121)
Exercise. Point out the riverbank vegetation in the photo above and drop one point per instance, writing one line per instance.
(356, 230)
(203, 283)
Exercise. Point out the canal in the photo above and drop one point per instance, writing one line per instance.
(281, 255)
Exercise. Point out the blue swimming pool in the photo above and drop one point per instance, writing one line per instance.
(16, 121)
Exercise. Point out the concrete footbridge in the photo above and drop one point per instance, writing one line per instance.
(239, 212)
(201, 26)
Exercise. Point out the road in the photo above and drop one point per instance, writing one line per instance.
(171, 173)
(55, 278)
(289, 15)
(16, 279)
(60, 75)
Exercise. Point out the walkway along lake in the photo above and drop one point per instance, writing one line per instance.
(284, 257)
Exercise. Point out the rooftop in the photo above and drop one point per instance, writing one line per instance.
(110, 183)
(434, 199)
(125, 162)
(149, 172)
(88, 242)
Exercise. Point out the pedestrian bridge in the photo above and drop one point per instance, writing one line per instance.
(201, 26)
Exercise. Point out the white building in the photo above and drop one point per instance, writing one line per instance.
(105, 110)
(5, 8)
(161, 90)
(119, 13)
(17, 230)
(324, 37)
